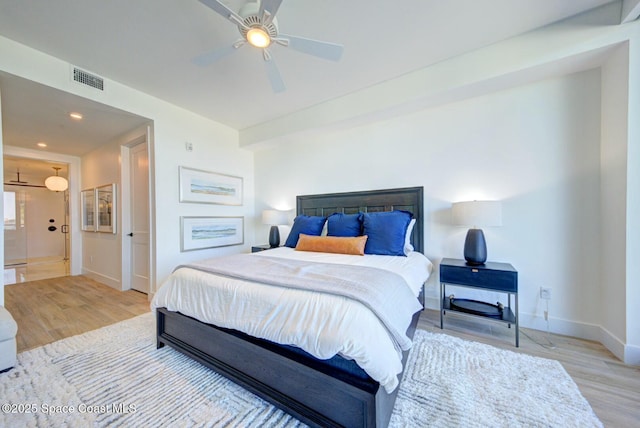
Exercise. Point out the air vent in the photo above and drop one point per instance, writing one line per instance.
(88, 79)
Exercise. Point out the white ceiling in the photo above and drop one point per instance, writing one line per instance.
(33, 113)
(150, 44)
(31, 172)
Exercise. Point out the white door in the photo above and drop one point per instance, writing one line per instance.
(139, 182)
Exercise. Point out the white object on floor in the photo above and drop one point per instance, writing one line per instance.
(8, 330)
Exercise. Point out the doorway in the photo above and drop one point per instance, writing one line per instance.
(36, 238)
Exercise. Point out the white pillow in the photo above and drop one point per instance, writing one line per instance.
(407, 238)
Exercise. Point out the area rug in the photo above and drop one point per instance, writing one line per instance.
(115, 376)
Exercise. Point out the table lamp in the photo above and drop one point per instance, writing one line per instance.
(476, 214)
(274, 218)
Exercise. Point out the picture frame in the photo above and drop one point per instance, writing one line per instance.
(105, 197)
(88, 206)
(98, 207)
(206, 187)
(197, 233)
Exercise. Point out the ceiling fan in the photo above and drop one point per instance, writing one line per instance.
(258, 27)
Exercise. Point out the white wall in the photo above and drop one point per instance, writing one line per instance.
(579, 194)
(101, 252)
(613, 190)
(632, 255)
(534, 147)
(215, 149)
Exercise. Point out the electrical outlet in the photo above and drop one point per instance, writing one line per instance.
(188, 146)
(545, 293)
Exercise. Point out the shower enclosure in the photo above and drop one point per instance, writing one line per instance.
(35, 220)
(15, 230)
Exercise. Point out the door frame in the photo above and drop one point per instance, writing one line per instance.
(75, 237)
(125, 198)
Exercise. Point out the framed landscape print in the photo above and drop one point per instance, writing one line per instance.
(197, 233)
(207, 187)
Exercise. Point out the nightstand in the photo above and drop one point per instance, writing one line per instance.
(491, 276)
(258, 248)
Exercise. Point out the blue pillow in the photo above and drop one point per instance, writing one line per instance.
(386, 232)
(339, 224)
(309, 225)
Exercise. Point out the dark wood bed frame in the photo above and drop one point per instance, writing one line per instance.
(292, 381)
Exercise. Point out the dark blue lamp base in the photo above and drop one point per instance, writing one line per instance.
(475, 248)
(274, 237)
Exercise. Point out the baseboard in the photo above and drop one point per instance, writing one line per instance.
(632, 355)
(562, 326)
(629, 354)
(103, 279)
(612, 343)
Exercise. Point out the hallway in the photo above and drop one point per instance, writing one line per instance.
(52, 309)
(36, 269)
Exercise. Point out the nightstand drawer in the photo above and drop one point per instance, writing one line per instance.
(487, 276)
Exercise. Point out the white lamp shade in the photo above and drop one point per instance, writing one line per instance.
(56, 183)
(274, 217)
(477, 213)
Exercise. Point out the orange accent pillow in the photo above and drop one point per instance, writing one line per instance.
(332, 244)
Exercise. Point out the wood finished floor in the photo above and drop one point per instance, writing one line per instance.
(51, 309)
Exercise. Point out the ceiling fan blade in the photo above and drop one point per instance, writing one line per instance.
(326, 50)
(213, 56)
(271, 8)
(224, 11)
(277, 84)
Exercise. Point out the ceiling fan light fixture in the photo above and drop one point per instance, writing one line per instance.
(258, 37)
(257, 24)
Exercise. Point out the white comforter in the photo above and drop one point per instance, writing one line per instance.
(323, 325)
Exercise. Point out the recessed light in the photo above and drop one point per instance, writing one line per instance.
(76, 116)
(41, 144)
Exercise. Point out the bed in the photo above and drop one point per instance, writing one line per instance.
(320, 392)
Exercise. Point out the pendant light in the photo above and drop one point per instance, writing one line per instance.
(56, 183)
